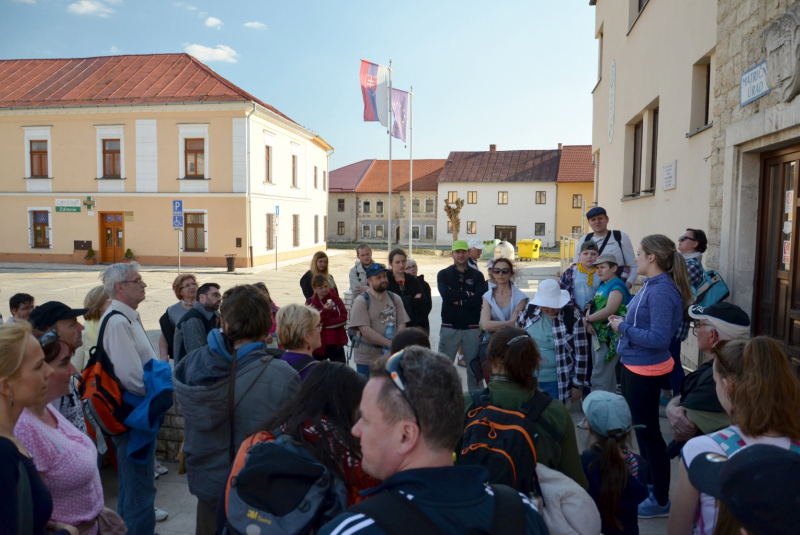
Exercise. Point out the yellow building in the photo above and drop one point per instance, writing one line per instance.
(94, 151)
(575, 185)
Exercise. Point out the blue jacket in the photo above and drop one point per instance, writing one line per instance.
(455, 498)
(654, 314)
(146, 418)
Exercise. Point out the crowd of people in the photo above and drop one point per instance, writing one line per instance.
(282, 435)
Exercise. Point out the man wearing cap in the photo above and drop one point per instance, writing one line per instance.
(615, 242)
(462, 288)
(697, 411)
(475, 252)
(371, 314)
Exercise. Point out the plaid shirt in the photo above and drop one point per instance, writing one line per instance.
(696, 274)
(567, 282)
(572, 351)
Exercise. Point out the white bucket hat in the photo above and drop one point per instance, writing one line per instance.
(550, 295)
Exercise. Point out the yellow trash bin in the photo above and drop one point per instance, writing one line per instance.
(526, 248)
(537, 244)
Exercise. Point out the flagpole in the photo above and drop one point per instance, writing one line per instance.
(411, 172)
(389, 131)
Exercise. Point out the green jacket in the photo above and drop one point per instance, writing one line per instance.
(509, 396)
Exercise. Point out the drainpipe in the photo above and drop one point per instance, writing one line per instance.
(249, 197)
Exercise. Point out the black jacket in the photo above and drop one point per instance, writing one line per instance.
(305, 284)
(426, 289)
(462, 295)
(417, 308)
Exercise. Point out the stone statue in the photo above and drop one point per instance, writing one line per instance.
(452, 214)
(782, 45)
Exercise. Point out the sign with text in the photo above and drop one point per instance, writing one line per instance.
(789, 202)
(787, 251)
(68, 205)
(177, 214)
(753, 84)
(670, 175)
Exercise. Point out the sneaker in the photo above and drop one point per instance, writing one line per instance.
(651, 509)
(156, 474)
(161, 515)
(461, 361)
(584, 424)
(161, 469)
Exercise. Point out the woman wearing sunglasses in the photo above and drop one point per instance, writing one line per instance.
(758, 388)
(502, 303)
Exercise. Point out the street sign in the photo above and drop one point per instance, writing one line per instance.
(177, 221)
(177, 208)
(277, 210)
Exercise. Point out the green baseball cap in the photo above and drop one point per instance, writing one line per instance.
(460, 245)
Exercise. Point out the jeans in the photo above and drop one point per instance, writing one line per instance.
(363, 369)
(450, 339)
(642, 393)
(137, 489)
(550, 388)
(604, 375)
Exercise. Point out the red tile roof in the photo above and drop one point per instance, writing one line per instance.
(426, 173)
(576, 164)
(115, 80)
(502, 166)
(346, 179)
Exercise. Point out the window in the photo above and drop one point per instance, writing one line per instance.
(636, 177)
(428, 232)
(39, 159)
(452, 196)
(194, 153)
(414, 232)
(379, 231)
(502, 197)
(316, 229)
(472, 227)
(294, 171)
(340, 228)
(701, 94)
(416, 205)
(539, 229)
(379, 207)
(315, 177)
(40, 229)
(577, 201)
(472, 197)
(268, 159)
(651, 185)
(577, 230)
(111, 158)
(600, 54)
(366, 207)
(340, 205)
(194, 236)
(324, 181)
(429, 205)
(449, 227)
(365, 231)
(541, 197)
(270, 232)
(296, 230)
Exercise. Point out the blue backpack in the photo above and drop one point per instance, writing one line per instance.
(712, 290)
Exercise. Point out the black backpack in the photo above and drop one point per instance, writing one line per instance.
(617, 237)
(504, 442)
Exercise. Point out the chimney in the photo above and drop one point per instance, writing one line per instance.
(559, 146)
(492, 148)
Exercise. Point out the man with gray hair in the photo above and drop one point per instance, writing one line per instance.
(128, 348)
(411, 420)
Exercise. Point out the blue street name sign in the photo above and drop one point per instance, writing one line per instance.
(277, 210)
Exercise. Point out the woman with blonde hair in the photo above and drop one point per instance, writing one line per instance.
(299, 333)
(758, 388)
(653, 316)
(319, 266)
(97, 301)
(23, 383)
(185, 288)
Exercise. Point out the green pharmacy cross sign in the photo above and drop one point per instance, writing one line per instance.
(68, 205)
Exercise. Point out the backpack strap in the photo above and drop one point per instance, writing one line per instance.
(397, 515)
(729, 440)
(301, 365)
(603, 245)
(480, 398)
(231, 407)
(509, 511)
(618, 239)
(535, 407)
(24, 501)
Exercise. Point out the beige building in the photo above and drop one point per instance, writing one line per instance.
(575, 184)
(96, 150)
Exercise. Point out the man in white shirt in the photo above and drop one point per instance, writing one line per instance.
(613, 242)
(126, 343)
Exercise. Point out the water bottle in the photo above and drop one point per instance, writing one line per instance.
(388, 334)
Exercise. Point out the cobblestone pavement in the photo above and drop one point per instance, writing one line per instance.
(70, 284)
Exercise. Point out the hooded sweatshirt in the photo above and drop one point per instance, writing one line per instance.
(201, 379)
(654, 314)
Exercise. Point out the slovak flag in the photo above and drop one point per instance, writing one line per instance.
(374, 88)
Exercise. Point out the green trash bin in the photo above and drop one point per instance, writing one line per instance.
(525, 249)
(488, 249)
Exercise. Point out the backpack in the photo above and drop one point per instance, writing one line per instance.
(355, 334)
(276, 486)
(504, 442)
(712, 289)
(101, 393)
(730, 441)
(617, 238)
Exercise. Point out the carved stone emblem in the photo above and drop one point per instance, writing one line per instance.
(782, 43)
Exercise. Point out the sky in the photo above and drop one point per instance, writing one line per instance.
(518, 74)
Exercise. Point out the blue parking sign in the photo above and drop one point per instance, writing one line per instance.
(177, 221)
(177, 208)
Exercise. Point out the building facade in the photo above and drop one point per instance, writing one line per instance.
(342, 201)
(508, 195)
(575, 190)
(95, 151)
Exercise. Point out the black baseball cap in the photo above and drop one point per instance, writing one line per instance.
(45, 316)
(760, 484)
(727, 312)
(596, 211)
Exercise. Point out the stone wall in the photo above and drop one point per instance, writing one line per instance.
(170, 436)
(740, 45)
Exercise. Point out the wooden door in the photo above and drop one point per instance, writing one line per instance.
(112, 237)
(777, 303)
(506, 233)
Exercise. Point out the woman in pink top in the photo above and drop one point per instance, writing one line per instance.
(65, 458)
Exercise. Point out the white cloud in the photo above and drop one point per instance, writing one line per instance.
(255, 25)
(204, 53)
(114, 1)
(202, 14)
(213, 22)
(114, 50)
(185, 5)
(25, 1)
(90, 7)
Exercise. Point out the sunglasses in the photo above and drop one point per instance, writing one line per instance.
(498, 271)
(684, 238)
(47, 339)
(393, 368)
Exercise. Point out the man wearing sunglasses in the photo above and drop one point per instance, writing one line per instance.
(697, 410)
(411, 417)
